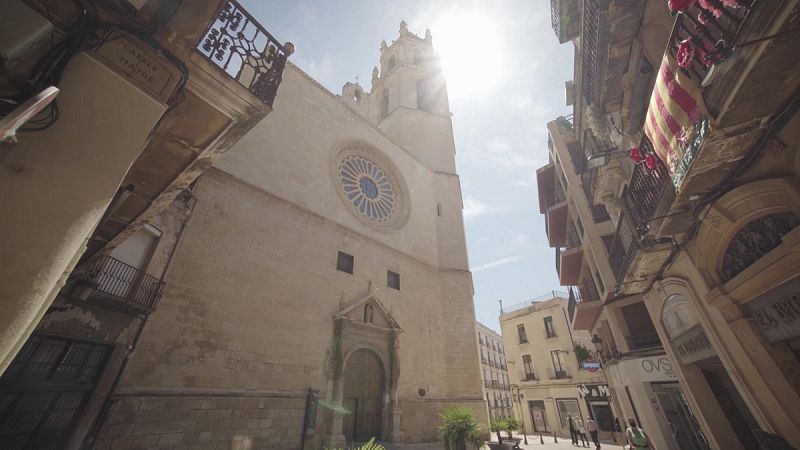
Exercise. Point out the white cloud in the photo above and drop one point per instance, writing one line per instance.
(474, 208)
(499, 262)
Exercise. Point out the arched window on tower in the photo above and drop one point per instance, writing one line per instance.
(423, 102)
(384, 104)
(390, 65)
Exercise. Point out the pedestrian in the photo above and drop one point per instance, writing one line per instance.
(573, 433)
(582, 432)
(592, 425)
(636, 436)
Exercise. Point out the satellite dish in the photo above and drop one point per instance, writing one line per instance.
(24, 112)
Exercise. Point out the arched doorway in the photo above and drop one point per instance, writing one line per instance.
(363, 397)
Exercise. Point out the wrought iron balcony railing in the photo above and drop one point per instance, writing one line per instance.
(715, 37)
(557, 374)
(121, 281)
(645, 189)
(528, 376)
(241, 47)
(589, 37)
(553, 197)
(574, 299)
(643, 341)
(623, 247)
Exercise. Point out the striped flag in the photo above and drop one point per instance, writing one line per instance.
(677, 118)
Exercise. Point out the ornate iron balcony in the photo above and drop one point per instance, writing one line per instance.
(590, 36)
(113, 278)
(242, 48)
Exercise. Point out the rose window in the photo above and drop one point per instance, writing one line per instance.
(367, 187)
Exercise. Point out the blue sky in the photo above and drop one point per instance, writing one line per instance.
(506, 74)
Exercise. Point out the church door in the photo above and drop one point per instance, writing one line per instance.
(363, 396)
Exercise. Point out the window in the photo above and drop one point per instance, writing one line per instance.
(559, 367)
(344, 262)
(385, 104)
(580, 225)
(391, 63)
(549, 330)
(599, 281)
(523, 338)
(568, 407)
(393, 279)
(527, 365)
(423, 102)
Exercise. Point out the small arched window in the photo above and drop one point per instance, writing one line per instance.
(390, 65)
(423, 103)
(357, 96)
(369, 313)
(384, 104)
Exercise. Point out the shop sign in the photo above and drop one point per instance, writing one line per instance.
(693, 346)
(778, 317)
(642, 370)
(590, 364)
(593, 391)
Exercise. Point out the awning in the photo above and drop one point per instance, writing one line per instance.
(677, 119)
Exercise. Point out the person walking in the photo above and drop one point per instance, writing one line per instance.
(592, 426)
(582, 433)
(573, 433)
(636, 436)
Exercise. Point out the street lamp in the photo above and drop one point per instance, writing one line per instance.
(601, 159)
(518, 396)
(598, 345)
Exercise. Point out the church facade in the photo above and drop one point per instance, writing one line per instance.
(320, 292)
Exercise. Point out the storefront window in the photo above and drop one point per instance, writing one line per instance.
(567, 407)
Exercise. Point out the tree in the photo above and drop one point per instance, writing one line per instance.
(512, 424)
(581, 352)
(459, 429)
(497, 426)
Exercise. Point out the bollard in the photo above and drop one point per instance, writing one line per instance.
(541, 439)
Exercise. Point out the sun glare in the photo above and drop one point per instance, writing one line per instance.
(470, 50)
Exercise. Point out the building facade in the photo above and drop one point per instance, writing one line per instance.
(690, 291)
(553, 375)
(320, 288)
(494, 372)
(102, 180)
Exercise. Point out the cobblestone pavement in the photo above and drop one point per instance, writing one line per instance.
(533, 444)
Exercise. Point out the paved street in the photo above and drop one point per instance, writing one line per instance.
(533, 444)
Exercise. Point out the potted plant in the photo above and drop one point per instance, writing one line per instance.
(459, 429)
(497, 426)
(512, 424)
(371, 445)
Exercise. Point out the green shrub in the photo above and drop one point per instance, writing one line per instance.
(459, 429)
(497, 426)
(371, 445)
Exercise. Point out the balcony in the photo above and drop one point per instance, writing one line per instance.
(242, 48)
(487, 383)
(111, 281)
(495, 384)
(558, 374)
(528, 376)
(565, 17)
(569, 259)
(649, 192)
(643, 341)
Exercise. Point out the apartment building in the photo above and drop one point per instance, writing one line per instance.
(494, 372)
(671, 199)
(551, 370)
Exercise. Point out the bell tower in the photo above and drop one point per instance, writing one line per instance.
(408, 100)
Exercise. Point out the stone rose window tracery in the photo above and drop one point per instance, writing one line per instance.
(368, 188)
(755, 240)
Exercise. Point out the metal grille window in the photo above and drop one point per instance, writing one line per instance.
(527, 364)
(523, 337)
(344, 262)
(44, 389)
(393, 279)
(549, 329)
